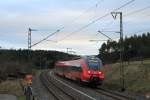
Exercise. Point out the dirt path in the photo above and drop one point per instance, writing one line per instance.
(39, 91)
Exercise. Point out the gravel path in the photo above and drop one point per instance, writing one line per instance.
(39, 91)
(7, 97)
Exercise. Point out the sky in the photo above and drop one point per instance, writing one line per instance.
(71, 17)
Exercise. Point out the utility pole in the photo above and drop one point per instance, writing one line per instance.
(29, 38)
(122, 80)
(72, 52)
(29, 42)
(68, 49)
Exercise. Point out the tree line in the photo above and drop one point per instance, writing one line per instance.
(136, 46)
(14, 61)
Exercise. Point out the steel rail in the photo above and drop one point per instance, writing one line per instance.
(114, 95)
(57, 92)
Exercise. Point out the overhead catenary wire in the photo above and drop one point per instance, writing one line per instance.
(99, 18)
(106, 35)
(134, 12)
(100, 1)
(95, 10)
(46, 37)
(92, 22)
(87, 10)
(137, 11)
(144, 30)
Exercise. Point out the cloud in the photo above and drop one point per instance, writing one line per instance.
(18, 15)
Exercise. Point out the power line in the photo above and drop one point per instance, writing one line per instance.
(140, 31)
(46, 37)
(137, 11)
(99, 18)
(133, 12)
(105, 35)
(95, 5)
(64, 27)
(97, 40)
(112, 22)
(83, 26)
(147, 15)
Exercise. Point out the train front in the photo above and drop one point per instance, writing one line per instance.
(94, 73)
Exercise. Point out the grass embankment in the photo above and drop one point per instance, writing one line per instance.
(137, 76)
(13, 87)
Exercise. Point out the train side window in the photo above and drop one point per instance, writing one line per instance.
(68, 69)
(64, 68)
(74, 68)
(71, 68)
(80, 69)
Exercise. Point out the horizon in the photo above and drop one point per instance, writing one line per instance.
(48, 16)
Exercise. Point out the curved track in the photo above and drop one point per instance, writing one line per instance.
(61, 94)
(113, 94)
(57, 92)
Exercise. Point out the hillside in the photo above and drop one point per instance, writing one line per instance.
(136, 75)
(136, 46)
(14, 61)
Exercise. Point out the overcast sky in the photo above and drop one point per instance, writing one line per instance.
(47, 16)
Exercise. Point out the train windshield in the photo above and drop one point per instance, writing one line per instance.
(94, 63)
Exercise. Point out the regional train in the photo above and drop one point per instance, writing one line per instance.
(87, 69)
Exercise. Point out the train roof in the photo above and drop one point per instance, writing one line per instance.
(84, 57)
(87, 57)
(81, 57)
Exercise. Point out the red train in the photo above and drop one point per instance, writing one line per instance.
(84, 69)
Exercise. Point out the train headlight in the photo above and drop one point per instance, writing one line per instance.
(100, 72)
(89, 72)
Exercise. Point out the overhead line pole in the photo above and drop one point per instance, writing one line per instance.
(30, 45)
(121, 51)
(105, 35)
(46, 38)
(29, 38)
(97, 19)
(122, 78)
(29, 41)
(68, 49)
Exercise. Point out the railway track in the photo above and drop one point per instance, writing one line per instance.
(60, 93)
(114, 95)
(57, 92)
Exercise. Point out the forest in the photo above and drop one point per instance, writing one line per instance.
(13, 61)
(135, 47)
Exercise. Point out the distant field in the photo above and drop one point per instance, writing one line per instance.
(137, 76)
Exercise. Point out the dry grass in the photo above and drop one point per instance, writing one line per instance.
(12, 86)
(137, 76)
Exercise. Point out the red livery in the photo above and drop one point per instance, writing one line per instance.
(85, 69)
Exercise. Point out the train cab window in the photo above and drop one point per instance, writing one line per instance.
(94, 64)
